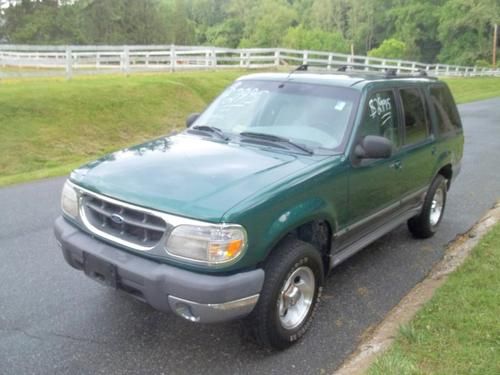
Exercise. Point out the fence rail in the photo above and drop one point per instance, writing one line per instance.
(26, 61)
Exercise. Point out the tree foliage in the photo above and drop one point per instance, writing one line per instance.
(448, 31)
(315, 39)
(389, 49)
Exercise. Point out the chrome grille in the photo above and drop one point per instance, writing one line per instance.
(123, 223)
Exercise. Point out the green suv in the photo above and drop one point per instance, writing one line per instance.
(244, 213)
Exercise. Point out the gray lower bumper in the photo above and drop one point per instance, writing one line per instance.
(194, 296)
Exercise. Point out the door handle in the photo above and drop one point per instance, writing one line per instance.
(396, 164)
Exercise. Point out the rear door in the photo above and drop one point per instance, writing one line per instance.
(418, 151)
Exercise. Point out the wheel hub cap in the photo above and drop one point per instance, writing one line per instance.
(296, 297)
(437, 207)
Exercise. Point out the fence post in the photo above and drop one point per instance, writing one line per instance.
(172, 58)
(367, 62)
(214, 58)
(37, 59)
(447, 70)
(437, 69)
(207, 59)
(69, 63)
(304, 58)
(399, 67)
(413, 67)
(277, 58)
(126, 60)
(330, 58)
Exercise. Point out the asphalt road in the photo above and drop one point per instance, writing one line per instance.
(55, 320)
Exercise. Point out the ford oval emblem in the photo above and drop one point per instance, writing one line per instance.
(117, 219)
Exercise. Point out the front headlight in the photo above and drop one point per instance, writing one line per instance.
(210, 244)
(69, 201)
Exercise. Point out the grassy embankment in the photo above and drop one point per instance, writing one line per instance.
(458, 330)
(49, 126)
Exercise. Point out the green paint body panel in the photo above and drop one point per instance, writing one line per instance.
(269, 192)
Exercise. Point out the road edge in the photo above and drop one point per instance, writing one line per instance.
(382, 336)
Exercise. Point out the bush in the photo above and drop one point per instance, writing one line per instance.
(390, 49)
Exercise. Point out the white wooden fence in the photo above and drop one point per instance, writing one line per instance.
(25, 61)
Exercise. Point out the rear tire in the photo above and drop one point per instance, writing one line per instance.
(425, 225)
(289, 297)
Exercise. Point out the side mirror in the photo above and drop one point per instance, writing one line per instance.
(374, 147)
(191, 119)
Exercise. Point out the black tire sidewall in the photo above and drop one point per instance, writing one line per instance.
(292, 335)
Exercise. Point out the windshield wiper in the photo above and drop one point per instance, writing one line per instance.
(281, 141)
(209, 129)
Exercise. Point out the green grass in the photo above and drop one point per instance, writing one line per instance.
(49, 126)
(471, 89)
(458, 331)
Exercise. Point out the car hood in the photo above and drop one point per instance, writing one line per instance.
(187, 175)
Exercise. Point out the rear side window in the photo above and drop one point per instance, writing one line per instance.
(381, 117)
(415, 118)
(446, 111)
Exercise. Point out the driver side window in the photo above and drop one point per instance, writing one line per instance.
(381, 117)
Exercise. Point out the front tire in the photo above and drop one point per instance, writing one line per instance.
(425, 225)
(290, 295)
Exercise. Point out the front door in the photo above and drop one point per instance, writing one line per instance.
(374, 185)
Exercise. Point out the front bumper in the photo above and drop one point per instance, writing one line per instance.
(194, 296)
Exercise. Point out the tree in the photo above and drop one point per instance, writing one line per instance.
(465, 30)
(390, 49)
(225, 34)
(448, 31)
(416, 24)
(267, 23)
(301, 38)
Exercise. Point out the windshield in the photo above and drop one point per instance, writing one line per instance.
(315, 115)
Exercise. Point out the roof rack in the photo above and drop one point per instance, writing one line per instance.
(393, 73)
(300, 68)
(389, 73)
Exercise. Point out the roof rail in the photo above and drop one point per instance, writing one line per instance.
(300, 68)
(393, 73)
(388, 73)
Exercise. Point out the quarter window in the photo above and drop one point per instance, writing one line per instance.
(416, 123)
(381, 117)
(445, 109)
